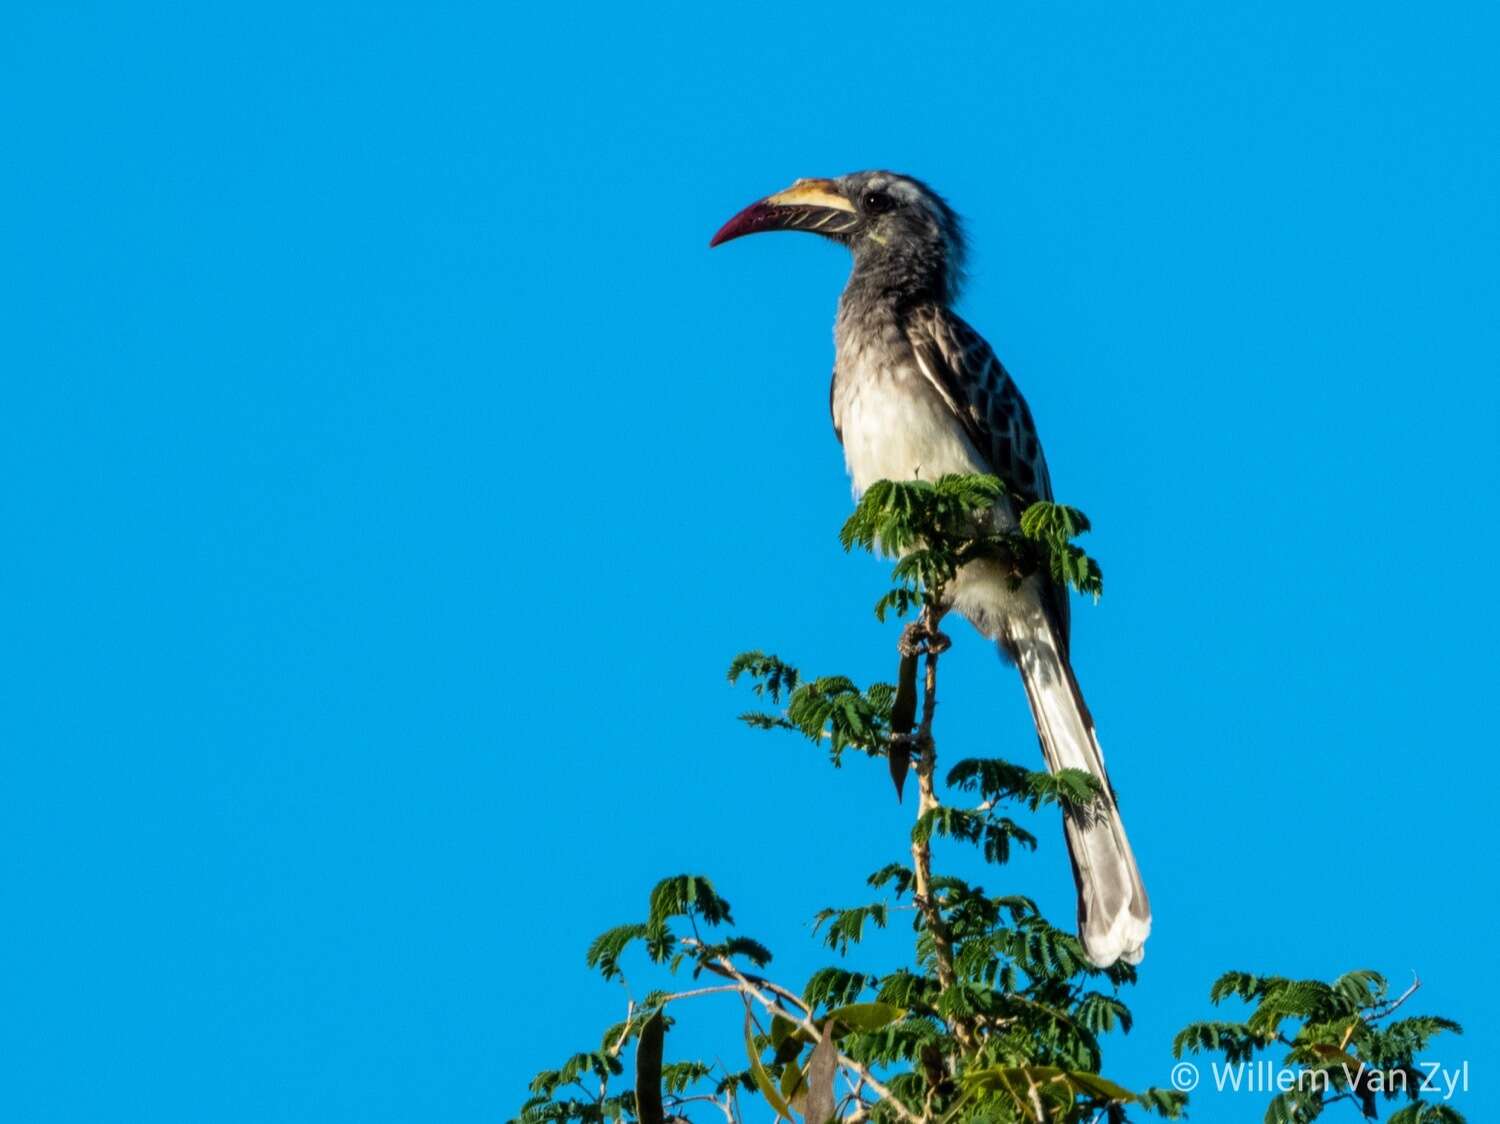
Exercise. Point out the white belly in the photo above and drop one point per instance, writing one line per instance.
(895, 427)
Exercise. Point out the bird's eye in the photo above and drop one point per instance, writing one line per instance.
(878, 202)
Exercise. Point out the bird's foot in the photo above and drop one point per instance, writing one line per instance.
(919, 637)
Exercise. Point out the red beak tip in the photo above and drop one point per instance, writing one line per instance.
(748, 221)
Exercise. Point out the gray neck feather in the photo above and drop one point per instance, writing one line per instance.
(898, 277)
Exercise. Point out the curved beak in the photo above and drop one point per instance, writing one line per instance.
(815, 206)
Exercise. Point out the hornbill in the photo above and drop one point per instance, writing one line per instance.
(917, 393)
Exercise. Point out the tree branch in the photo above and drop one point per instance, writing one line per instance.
(1381, 1010)
(725, 966)
(933, 644)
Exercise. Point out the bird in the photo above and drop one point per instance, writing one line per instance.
(917, 393)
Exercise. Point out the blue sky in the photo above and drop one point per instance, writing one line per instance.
(391, 471)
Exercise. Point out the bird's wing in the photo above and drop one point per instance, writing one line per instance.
(963, 370)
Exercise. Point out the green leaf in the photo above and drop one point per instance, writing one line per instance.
(604, 953)
(866, 1016)
(781, 1029)
(761, 1078)
(687, 895)
(772, 676)
(1053, 1084)
(794, 1084)
(848, 925)
(833, 986)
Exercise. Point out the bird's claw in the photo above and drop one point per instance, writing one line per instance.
(918, 637)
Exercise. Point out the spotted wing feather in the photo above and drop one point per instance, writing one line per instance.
(978, 388)
(964, 371)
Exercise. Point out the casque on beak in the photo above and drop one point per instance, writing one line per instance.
(815, 206)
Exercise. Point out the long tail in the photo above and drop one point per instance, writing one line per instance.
(1114, 915)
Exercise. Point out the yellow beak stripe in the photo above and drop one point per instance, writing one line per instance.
(812, 193)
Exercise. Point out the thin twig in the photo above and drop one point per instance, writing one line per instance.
(688, 1098)
(697, 991)
(1387, 1008)
(1381, 1010)
(624, 1030)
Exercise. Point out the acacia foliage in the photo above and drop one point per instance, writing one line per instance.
(1340, 1040)
(995, 1015)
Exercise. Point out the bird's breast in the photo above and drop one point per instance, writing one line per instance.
(893, 423)
(895, 426)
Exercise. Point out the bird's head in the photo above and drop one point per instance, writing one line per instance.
(903, 235)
